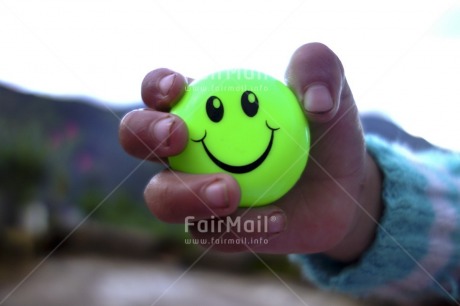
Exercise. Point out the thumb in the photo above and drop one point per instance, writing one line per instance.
(317, 77)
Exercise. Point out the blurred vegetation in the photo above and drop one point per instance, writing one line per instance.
(35, 165)
(65, 155)
(22, 167)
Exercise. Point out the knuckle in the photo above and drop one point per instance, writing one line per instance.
(159, 199)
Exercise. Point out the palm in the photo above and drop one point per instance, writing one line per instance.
(324, 201)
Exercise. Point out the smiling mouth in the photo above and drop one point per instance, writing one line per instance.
(243, 168)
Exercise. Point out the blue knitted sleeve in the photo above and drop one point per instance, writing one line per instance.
(417, 245)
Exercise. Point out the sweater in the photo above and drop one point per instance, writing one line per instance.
(416, 250)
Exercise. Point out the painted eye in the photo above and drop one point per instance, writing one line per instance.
(249, 103)
(214, 109)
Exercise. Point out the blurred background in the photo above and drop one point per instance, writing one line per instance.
(73, 225)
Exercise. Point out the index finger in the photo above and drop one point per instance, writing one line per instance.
(162, 88)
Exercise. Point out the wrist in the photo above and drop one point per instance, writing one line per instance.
(368, 212)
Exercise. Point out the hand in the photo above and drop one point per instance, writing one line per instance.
(332, 209)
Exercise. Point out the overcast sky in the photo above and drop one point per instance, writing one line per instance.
(401, 57)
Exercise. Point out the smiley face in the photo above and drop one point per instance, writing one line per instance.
(215, 112)
(249, 125)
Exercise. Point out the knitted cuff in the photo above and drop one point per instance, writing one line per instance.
(403, 257)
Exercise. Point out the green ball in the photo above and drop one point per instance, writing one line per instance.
(249, 125)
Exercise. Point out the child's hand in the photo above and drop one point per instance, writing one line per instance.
(333, 207)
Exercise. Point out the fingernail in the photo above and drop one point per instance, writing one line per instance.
(162, 130)
(276, 223)
(318, 99)
(216, 195)
(166, 83)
